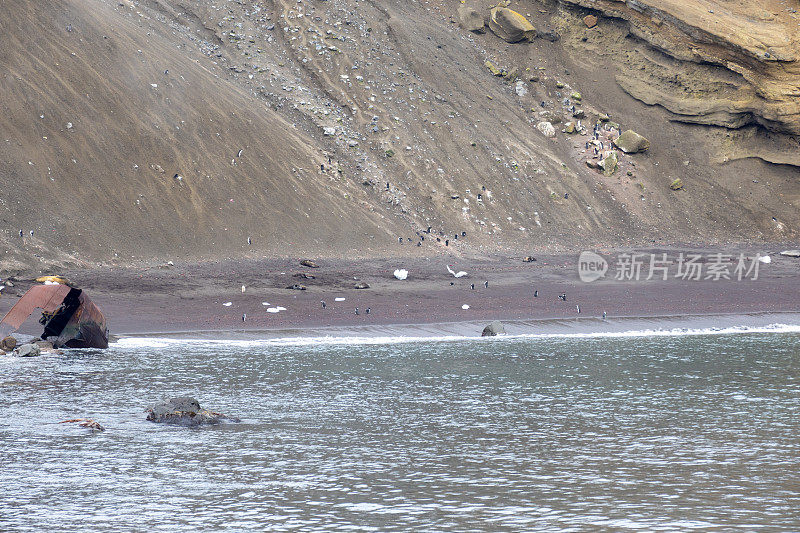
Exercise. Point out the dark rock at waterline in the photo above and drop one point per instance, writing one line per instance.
(185, 411)
(494, 329)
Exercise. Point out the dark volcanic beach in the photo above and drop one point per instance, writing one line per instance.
(188, 298)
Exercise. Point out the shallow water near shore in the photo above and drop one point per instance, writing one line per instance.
(560, 432)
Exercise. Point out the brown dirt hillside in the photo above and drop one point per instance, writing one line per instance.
(121, 126)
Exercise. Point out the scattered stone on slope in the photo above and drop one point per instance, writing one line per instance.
(470, 19)
(546, 128)
(676, 185)
(309, 263)
(631, 142)
(361, 285)
(494, 69)
(590, 21)
(610, 163)
(510, 25)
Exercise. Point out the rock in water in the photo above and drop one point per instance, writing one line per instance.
(185, 411)
(470, 19)
(510, 25)
(494, 329)
(8, 344)
(631, 142)
(546, 128)
(609, 163)
(28, 350)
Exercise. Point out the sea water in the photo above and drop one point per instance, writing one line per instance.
(656, 431)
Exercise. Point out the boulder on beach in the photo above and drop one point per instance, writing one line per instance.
(470, 19)
(510, 25)
(494, 329)
(185, 411)
(631, 142)
(28, 350)
(8, 344)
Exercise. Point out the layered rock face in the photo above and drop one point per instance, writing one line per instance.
(728, 63)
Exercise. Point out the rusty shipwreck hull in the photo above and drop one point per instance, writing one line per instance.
(71, 319)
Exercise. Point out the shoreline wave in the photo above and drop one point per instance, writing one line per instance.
(376, 335)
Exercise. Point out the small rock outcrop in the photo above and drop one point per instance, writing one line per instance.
(28, 350)
(470, 19)
(494, 329)
(185, 411)
(631, 142)
(510, 25)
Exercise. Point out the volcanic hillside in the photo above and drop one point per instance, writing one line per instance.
(178, 129)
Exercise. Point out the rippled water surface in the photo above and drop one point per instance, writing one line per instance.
(668, 433)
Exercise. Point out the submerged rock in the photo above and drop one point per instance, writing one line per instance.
(494, 329)
(88, 423)
(510, 25)
(470, 19)
(631, 142)
(185, 411)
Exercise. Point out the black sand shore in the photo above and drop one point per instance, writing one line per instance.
(191, 298)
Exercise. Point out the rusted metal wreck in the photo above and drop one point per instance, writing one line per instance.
(70, 318)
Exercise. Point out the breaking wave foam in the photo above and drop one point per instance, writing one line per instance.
(161, 342)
